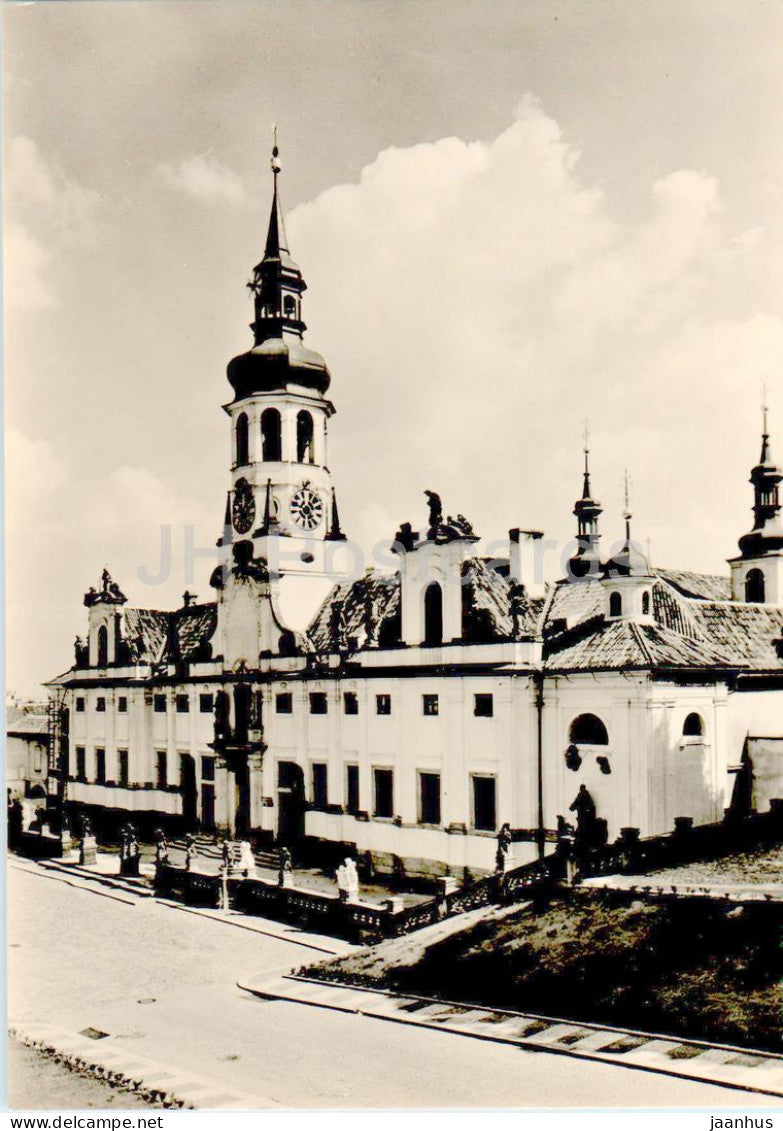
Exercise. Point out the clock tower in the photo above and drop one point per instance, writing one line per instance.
(281, 498)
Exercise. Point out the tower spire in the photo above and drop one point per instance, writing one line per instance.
(276, 239)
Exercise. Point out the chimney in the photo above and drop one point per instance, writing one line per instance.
(526, 560)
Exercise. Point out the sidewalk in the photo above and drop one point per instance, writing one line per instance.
(95, 881)
(748, 1070)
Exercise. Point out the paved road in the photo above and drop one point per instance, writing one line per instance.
(163, 982)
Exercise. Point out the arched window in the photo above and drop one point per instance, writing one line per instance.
(588, 730)
(304, 438)
(241, 436)
(433, 614)
(103, 646)
(615, 604)
(754, 586)
(289, 306)
(270, 436)
(693, 727)
(646, 603)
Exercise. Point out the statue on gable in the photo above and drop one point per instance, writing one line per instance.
(338, 633)
(372, 617)
(110, 588)
(517, 600)
(436, 513)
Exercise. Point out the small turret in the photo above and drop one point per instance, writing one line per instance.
(586, 561)
(757, 574)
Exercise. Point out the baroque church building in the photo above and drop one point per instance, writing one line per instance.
(404, 716)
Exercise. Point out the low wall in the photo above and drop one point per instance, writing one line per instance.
(38, 846)
(354, 920)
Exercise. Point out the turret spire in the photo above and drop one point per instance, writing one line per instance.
(631, 560)
(766, 477)
(587, 511)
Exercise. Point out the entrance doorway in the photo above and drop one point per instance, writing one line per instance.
(187, 786)
(208, 807)
(290, 803)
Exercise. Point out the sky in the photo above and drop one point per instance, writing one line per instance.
(511, 216)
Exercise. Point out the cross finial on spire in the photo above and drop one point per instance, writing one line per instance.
(627, 499)
(764, 406)
(275, 152)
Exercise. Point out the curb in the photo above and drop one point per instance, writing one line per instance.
(729, 1066)
(158, 1084)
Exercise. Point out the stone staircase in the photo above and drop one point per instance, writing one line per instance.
(206, 847)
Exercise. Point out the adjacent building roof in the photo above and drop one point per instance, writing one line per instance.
(701, 586)
(752, 634)
(29, 726)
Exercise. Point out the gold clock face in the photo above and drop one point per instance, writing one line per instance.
(243, 508)
(307, 510)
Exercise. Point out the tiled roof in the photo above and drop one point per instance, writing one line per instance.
(382, 589)
(147, 632)
(748, 633)
(574, 602)
(617, 645)
(701, 586)
(673, 611)
(195, 628)
(489, 593)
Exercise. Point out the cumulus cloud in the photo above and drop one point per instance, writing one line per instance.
(475, 300)
(25, 263)
(63, 528)
(46, 210)
(206, 179)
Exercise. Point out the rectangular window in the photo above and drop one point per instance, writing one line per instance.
(318, 704)
(284, 703)
(383, 704)
(122, 767)
(81, 764)
(351, 703)
(207, 768)
(183, 704)
(483, 707)
(159, 704)
(384, 793)
(122, 704)
(352, 789)
(429, 704)
(79, 705)
(161, 769)
(319, 786)
(429, 798)
(100, 765)
(206, 703)
(100, 704)
(484, 818)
